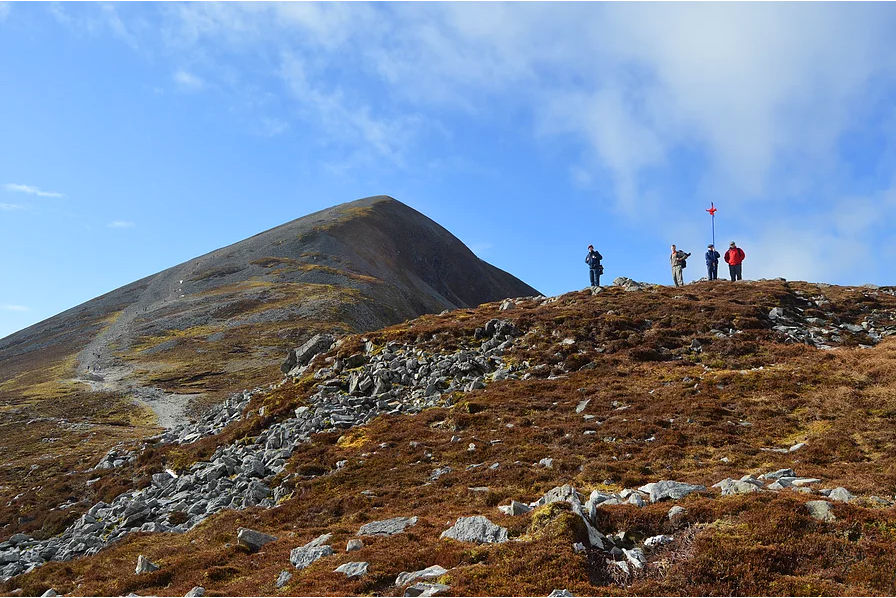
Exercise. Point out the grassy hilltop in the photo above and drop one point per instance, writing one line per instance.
(694, 384)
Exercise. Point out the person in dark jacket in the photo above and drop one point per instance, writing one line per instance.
(712, 263)
(734, 258)
(593, 260)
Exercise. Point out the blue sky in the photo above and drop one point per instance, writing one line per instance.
(136, 136)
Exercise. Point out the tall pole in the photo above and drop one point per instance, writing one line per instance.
(712, 212)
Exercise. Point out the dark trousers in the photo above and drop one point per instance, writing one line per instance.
(595, 277)
(735, 272)
(712, 271)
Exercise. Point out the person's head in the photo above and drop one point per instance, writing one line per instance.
(591, 248)
(673, 249)
(710, 246)
(732, 244)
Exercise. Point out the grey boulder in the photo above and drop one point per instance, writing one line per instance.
(426, 589)
(303, 355)
(429, 573)
(820, 509)
(476, 529)
(515, 508)
(669, 489)
(283, 579)
(729, 487)
(355, 569)
(841, 494)
(144, 565)
(676, 511)
(253, 539)
(387, 527)
(196, 591)
(316, 549)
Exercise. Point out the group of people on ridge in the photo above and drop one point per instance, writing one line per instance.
(734, 257)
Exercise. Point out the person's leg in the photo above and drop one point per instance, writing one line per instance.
(715, 271)
(674, 277)
(592, 271)
(739, 271)
(731, 271)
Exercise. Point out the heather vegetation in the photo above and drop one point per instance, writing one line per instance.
(607, 392)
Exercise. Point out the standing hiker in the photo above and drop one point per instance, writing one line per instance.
(712, 263)
(733, 257)
(593, 260)
(678, 259)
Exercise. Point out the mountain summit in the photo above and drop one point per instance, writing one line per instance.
(223, 321)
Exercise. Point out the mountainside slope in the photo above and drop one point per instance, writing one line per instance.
(185, 338)
(762, 413)
(357, 266)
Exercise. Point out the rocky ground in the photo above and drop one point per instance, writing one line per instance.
(715, 438)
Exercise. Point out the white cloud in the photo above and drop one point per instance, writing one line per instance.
(11, 207)
(120, 224)
(16, 308)
(756, 96)
(758, 90)
(348, 120)
(5, 7)
(187, 81)
(16, 188)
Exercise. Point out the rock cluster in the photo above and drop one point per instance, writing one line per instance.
(631, 285)
(823, 333)
(619, 549)
(397, 380)
(116, 458)
(298, 359)
(211, 423)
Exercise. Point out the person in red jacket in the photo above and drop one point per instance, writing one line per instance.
(733, 257)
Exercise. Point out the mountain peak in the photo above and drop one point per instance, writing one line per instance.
(219, 322)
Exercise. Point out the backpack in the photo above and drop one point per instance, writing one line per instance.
(600, 269)
(684, 264)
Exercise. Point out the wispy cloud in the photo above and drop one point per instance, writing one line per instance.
(94, 19)
(30, 190)
(17, 308)
(271, 127)
(4, 10)
(120, 224)
(187, 81)
(11, 207)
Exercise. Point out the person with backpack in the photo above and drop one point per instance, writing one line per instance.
(593, 260)
(712, 263)
(678, 259)
(734, 258)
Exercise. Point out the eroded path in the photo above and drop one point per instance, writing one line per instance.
(102, 370)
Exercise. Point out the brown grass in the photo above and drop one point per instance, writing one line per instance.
(660, 411)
